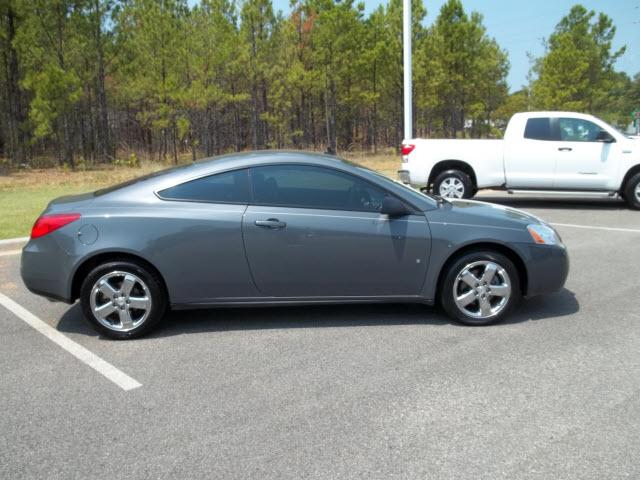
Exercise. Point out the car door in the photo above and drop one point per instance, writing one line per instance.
(530, 161)
(315, 231)
(584, 160)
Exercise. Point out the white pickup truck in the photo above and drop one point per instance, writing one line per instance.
(559, 153)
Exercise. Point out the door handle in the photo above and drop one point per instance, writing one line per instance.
(565, 149)
(272, 223)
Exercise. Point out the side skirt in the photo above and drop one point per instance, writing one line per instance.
(279, 301)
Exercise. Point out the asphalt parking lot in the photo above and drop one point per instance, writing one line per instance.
(381, 392)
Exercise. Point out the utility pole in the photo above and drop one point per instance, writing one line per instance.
(406, 34)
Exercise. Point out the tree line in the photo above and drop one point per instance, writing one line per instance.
(90, 80)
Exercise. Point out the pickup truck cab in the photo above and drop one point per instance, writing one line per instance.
(542, 152)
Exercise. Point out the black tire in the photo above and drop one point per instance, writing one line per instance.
(154, 289)
(631, 192)
(467, 184)
(455, 268)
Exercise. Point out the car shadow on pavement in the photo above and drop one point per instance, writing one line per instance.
(556, 203)
(558, 304)
(183, 322)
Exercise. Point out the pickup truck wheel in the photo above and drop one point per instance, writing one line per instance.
(453, 184)
(632, 192)
(480, 288)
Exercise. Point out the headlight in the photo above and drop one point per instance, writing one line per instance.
(543, 234)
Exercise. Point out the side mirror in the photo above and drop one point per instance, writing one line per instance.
(393, 207)
(604, 137)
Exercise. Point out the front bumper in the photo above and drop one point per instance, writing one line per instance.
(547, 268)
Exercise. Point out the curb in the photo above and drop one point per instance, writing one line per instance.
(10, 241)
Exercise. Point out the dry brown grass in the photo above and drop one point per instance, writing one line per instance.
(386, 162)
(58, 177)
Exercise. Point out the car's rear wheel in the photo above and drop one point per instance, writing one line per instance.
(632, 192)
(453, 184)
(480, 288)
(122, 299)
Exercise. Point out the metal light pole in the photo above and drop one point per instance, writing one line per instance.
(406, 34)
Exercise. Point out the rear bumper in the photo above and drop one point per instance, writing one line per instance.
(404, 176)
(547, 268)
(45, 269)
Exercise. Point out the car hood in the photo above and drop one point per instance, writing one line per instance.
(473, 212)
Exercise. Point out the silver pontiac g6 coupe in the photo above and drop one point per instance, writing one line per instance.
(283, 228)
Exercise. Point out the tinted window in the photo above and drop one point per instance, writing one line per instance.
(538, 129)
(577, 130)
(228, 187)
(314, 187)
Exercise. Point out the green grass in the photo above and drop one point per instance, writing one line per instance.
(20, 208)
(24, 194)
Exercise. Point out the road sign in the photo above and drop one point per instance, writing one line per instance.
(636, 114)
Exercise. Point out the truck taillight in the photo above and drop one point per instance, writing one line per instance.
(49, 223)
(407, 148)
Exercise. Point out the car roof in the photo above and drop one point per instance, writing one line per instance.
(209, 166)
(233, 160)
(556, 114)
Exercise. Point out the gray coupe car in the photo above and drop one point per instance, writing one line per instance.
(283, 228)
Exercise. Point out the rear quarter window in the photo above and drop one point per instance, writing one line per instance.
(538, 129)
(227, 187)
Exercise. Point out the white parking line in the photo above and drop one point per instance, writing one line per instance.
(9, 241)
(611, 229)
(101, 366)
(10, 252)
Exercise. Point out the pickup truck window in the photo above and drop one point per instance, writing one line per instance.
(578, 130)
(538, 129)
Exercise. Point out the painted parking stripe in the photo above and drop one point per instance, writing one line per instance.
(610, 229)
(10, 252)
(10, 241)
(87, 357)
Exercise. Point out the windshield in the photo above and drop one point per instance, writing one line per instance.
(416, 194)
(616, 129)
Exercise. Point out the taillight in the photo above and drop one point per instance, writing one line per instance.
(48, 223)
(407, 149)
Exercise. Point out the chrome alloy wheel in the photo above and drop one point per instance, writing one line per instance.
(482, 289)
(120, 301)
(451, 187)
(637, 192)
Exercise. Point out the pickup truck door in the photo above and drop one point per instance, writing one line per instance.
(530, 161)
(586, 160)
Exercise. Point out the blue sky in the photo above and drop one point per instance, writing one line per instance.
(519, 26)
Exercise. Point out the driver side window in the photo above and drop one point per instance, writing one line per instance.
(305, 186)
(578, 130)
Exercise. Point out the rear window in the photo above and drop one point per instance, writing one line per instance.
(538, 129)
(227, 187)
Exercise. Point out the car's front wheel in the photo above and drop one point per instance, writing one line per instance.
(122, 299)
(632, 192)
(480, 288)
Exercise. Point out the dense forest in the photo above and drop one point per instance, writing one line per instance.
(98, 81)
